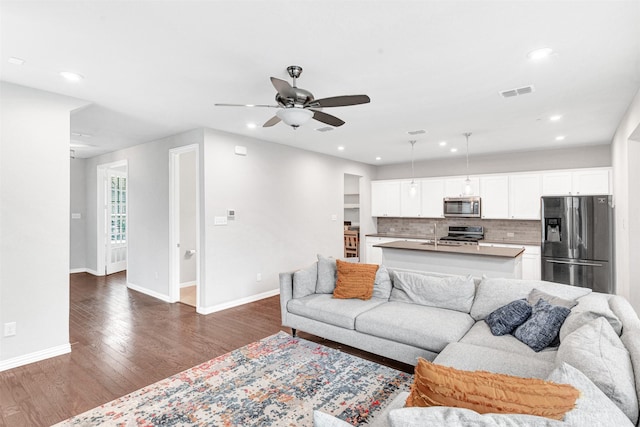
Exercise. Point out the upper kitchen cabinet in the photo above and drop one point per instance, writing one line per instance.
(494, 195)
(524, 196)
(431, 198)
(385, 198)
(577, 182)
(410, 195)
(454, 187)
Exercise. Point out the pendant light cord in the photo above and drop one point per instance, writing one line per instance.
(412, 169)
(467, 134)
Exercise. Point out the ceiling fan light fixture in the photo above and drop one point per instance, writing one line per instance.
(294, 116)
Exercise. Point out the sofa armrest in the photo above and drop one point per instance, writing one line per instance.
(286, 293)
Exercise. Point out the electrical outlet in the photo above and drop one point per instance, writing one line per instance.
(392, 229)
(511, 234)
(258, 277)
(9, 329)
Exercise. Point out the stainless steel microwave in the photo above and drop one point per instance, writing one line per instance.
(462, 207)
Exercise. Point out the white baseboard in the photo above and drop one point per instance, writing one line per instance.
(187, 284)
(149, 292)
(235, 303)
(85, 270)
(34, 357)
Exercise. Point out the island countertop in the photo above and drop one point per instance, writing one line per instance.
(491, 251)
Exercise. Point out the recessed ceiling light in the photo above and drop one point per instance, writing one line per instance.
(538, 54)
(453, 150)
(378, 158)
(560, 138)
(555, 118)
(252, 125)
(71, 76)
(341, 148)
(442, 143)
(15, 61)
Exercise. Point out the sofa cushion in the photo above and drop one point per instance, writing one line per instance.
(325, 308)
(495, 292)
(590, 307)
(542, 327)
(304, 281)
(471, 357)
(382, 285)
(355, 280)
(481, 335)
(486, 392)
(536, 294)
(507, 318)
(445, 416)
(593, 408)
(425, 327)
(453, 292)
(598, 353)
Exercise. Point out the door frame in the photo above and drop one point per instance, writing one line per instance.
(174, 221)
(101, 209)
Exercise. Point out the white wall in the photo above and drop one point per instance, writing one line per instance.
(34, 223)
(77, 239)
(582, 157)
(284, 199)
(626, 188)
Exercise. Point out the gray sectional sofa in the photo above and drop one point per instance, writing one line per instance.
(442, 319)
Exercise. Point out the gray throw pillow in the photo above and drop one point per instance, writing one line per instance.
(536, 294)
(543, 325)
(304, 281)
(507, 318)
(451, 292)
(327, 275)
(382, 283)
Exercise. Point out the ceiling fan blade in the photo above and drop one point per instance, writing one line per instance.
(272, 121)
(339, 101)
(327, 118)
(283, 87)
(246, 105)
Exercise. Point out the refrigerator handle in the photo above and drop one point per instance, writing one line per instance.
(587, 264)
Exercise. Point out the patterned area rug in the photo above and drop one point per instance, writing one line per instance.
(277, 381)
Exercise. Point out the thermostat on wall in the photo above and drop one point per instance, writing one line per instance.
(231, 213)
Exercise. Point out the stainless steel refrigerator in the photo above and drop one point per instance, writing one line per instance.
(577, 241)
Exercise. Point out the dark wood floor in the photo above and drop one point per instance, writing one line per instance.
(123, 340)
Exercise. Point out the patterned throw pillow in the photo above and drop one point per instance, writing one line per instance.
(486, 392)
(355, 280)
(543, 326)
(507, 318)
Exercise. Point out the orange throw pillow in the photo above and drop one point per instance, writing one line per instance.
(355, 280)
(486, 392)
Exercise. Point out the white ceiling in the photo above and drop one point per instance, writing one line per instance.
(156, 68)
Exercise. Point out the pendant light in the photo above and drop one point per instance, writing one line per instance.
(413, 187)
(468, 190)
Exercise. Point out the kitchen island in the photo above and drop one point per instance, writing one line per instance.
(476, 260)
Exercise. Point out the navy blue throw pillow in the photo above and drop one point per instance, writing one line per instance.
(507, 318)
(543, 325)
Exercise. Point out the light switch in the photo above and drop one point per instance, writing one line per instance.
(76, 215)
(334, 217)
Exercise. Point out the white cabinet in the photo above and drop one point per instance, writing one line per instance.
(432, 193)
(494, 194)
(591, 181)
(385, 198)
(454, 187)
(374, 255)
(524, 196)
(530, 259)
(576, 182)
(410, 195)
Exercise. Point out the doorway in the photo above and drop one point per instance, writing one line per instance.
(184, 222)
(112, 218)
(352, 216)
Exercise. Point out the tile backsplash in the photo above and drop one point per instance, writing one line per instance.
(495, 230)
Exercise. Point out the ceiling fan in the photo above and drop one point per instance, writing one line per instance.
(296, 106)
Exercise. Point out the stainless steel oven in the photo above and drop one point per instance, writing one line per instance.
(462, 207)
